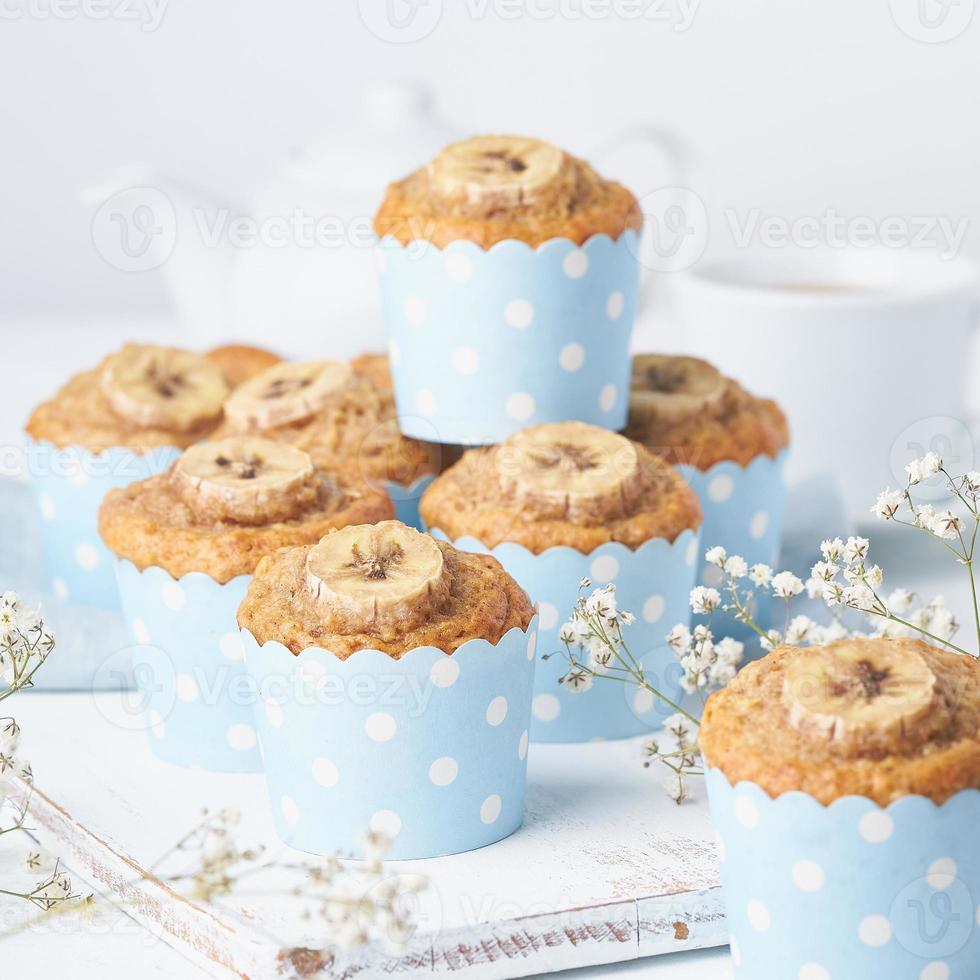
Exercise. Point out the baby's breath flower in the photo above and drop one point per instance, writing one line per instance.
(799, 630)
(674, 785)
(626, 617)
(946, 525)
(678, 726)
(771, 640)
(855, 550)
(921, 469)
(971, 483)
(858, 597)
(567, 634)
(825, 571)
(831, 549)
(715, 556)
(736, 567)
(729, 651)
(585, 583)
(760, 574)
(704, 599)
(888, 504)
(577, 681)
(602, 603)
(873, 577)
(679, 639)
(900, 601)
(785, 585)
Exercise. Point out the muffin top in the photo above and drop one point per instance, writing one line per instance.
(881, 718)
(224, 504)
(566, 483)
(374, 367)
(684, 409)
(239, 362)
(383, 587)
(141, 397)
(490, 188)
(335, 413)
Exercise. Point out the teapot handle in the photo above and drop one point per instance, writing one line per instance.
(672, 152)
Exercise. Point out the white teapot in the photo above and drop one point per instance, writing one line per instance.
(294, 269)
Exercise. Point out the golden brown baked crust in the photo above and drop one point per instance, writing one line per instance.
(375, 368)
(747, 734)
(357, 434)
(240, 362)
(483, 601)
(471, 499)
(150, 523)
(739, 428)
(79, 414)
(579, 205)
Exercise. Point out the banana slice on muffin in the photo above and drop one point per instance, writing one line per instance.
(286, 393)
(163, 387)
(569, 469)
(382, 573)
(243, 478)
(860, 695)
(673, 388)
(497, 171)
(685, 409)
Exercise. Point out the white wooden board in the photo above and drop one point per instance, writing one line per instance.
(605, 869)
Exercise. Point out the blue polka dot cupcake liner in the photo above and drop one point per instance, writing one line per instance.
(429, 749)
(653, 582)
(852, 889)
(743, 512)
(68, 486)
(485, 342)
(406, 499)
(189, 667)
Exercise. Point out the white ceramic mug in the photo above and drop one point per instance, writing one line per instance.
(868, 351)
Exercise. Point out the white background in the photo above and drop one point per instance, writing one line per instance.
(787, 105)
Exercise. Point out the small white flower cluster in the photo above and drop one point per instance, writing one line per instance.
(366, 904)
(678, 750)
(24, 643)
(707, 664)
(844, 578)
(358, 903)
(944, 524)
(596, 629)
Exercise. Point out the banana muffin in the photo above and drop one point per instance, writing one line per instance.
(225, 504)
(141, 397)
(684, 409)
(335, 413)
(384, 587)
(880, 718)
(490, 188)
(566, 483)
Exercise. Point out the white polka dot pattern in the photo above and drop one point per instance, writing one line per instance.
(892, 889)
(567, 315)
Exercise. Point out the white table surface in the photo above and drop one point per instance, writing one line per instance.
(38, 356)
